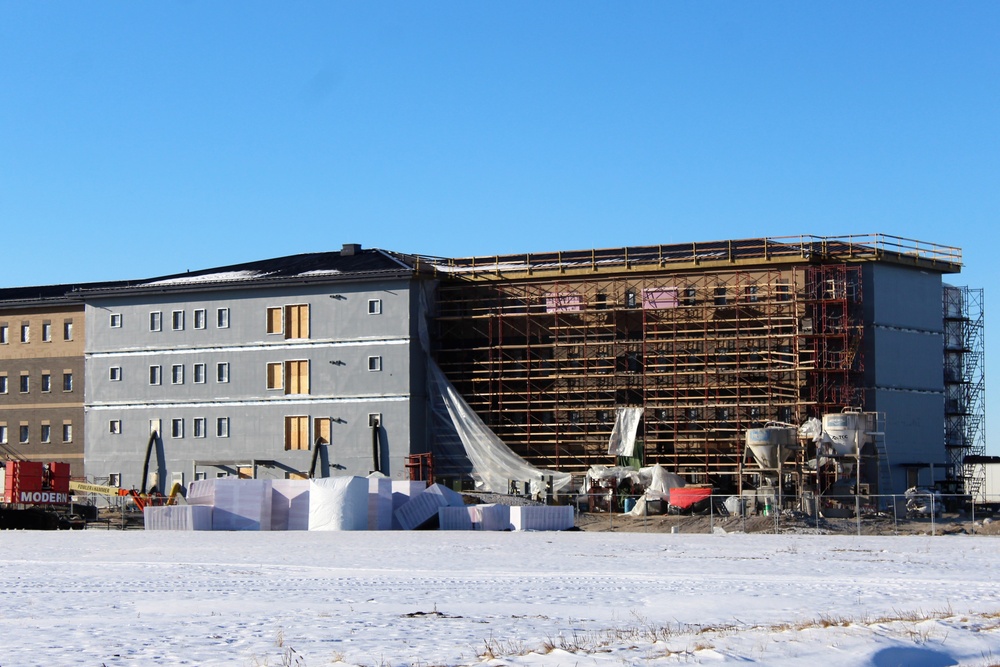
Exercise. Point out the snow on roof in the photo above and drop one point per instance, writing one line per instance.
(222, 276)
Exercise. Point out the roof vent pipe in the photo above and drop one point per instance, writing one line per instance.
(350, 249)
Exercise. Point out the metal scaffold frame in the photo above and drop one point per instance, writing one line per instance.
(964, 381)
(547, 361)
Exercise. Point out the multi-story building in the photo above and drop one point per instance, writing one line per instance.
(709, 340)
(253, 369)
(42, 375)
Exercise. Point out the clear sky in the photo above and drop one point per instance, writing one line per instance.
(146, 138)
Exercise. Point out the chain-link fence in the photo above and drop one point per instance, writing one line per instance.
(914, 513)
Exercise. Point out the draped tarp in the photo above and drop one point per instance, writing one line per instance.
(493, 462)
(622, 442)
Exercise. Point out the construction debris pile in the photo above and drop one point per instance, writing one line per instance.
(343, 503)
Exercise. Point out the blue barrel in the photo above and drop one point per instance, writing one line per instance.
(629, 505)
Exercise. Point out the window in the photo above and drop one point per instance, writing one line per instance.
(46, 434)
(374, 419)
(199, 427)
(68, 330)
(222, 318)
(3, 383)
(46, 332)
(374, 306)
(155, 320)
(293, 321)
(3, 434)
(630, 300)
(177, 374)
(67, 434)
(25, 384)
(4, 329)
(176, 428)
(177, 320)
(199, 373)
(115, 426)
(199, 318)
(297, 373)
(222, 371)
(222, 427)
(154, 375)
(296, 433)
(750, 293)
(23, 434)
(374, 363)
(67, 381)
(115, 373)
(200, 475)
(46, 383)
(720, 296)
(275, 375)
(274, 321)
(784, 291)
(25, 333)
(116, 320)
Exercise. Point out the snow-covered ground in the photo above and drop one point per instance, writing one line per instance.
(461, 598)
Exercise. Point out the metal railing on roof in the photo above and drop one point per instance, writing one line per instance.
(806, 247)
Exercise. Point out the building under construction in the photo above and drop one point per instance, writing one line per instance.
(712, 339)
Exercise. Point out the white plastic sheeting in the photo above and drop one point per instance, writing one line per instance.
(622, 441)
(379, 502)
(493, 462)
(402, 492)
(178, 517)
(338, 503)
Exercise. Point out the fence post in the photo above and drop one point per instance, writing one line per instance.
(933, 512)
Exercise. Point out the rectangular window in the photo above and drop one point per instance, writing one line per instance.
(3, 383)
(154, 375)
(25, 333)
(68, 330)
(115, 373)
(784, 291)
(222, 427)
(67, 432)
(199, 318)
(297, 321)
(46, 383)
(46, 434)
(3, 434)
(720, 296)
(4, 331)
(750, 293)
(116, 320)
(115, 479)
(115, 426)
(67, 381)
(23, 434)
(25, 384)
(176, 428)
(374, 306)
(200, 475)
(177, 320)
(296, 433)
(199, 427)
(46, 332)
(222, 318)
(199, 373)
(374, 363)
(177, 374)
(321, 430)
(222, 371)
(155, 320)
(297, 374)
(275, 375)
(275, 325)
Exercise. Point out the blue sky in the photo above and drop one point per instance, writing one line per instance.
(148, 138)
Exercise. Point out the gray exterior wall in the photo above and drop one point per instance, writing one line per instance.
(342, 337)
(904, 357)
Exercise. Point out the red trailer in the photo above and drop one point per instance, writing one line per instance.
(36, 483)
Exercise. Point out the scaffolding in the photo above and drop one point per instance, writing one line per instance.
(964, 383)
(710, 339)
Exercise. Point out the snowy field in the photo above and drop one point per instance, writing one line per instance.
(539, 599)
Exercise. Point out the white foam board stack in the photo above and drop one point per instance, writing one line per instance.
(178, 517)
(402, 492)
(459, 518)
(542, 517)
(241, 504)
(379, 503)
(494, 517)
(290, 504)
(422, 508)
